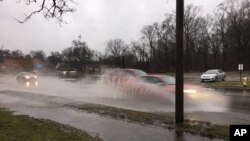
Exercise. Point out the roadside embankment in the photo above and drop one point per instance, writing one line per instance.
(24, 128)
(157, 119)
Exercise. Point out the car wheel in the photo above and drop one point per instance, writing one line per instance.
(223, 79)
(202, 80)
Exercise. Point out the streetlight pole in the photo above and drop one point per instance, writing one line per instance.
(179, 112)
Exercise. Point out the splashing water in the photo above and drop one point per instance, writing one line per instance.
(156, 98)
(131, 95)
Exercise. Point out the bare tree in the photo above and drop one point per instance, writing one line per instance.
(191, 27)
(55, 59)
(167, 41)
(38, 54)
(4, 53)
(118, 50)
(141, 54)
(238, 16)
(220, 28)
(51, 9)
(17, 53)
(150, 35)
(78, 56)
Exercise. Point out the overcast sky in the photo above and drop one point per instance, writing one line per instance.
(96, 20)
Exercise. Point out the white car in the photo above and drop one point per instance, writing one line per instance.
(213, 75)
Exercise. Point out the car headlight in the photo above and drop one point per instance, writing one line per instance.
(35, 77)
(190, 91)
(36, 83)
(27, 84)
(27, 77)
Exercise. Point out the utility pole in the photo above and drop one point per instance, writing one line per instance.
(179, 112)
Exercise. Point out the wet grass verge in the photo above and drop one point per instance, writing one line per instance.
(202, 128)
(24, 128)
(234, 85)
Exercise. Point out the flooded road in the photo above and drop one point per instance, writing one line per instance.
(239, 100)
(48, 99)
(87, 90)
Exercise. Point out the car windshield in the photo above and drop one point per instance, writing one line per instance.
(127, 73)
(163, 79)
(26, 73)
(151, 79)
(168, 80)
(211, 72)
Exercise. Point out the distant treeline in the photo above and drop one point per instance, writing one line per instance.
(77, 57)
(219, 40)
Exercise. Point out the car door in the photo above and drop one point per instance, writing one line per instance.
(148, 85)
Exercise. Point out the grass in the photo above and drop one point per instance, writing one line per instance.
(157, 119)
(237, 85)
(24, 128)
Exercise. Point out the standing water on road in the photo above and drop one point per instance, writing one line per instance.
(202, 104)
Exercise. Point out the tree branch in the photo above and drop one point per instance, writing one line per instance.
(51, 9)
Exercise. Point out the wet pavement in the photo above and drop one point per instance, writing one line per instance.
(48, 99)
(52, 108)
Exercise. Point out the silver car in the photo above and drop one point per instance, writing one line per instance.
(213, 75)
(27, 78)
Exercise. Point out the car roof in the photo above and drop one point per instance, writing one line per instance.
(124, 69)
(118, 69)
(25, 72)
(214, 70)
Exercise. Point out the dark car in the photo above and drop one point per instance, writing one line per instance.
(28, 78)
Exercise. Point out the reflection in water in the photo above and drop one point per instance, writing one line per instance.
(239, 100)
(179, 135)
(28, 83)
(233, 92)
(245, 92)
